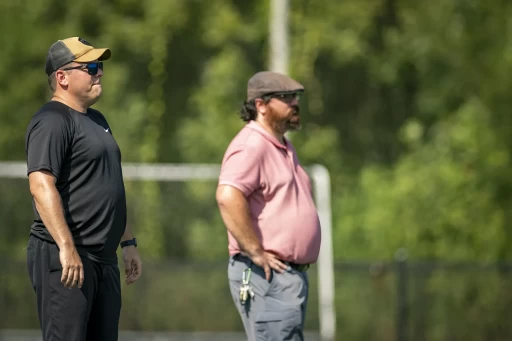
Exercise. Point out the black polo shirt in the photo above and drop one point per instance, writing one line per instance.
(80, 151)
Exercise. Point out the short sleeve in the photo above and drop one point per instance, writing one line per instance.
(47, 142)
(241, 169)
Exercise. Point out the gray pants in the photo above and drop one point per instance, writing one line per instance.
(278, 310)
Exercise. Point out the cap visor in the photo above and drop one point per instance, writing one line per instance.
(94, 54)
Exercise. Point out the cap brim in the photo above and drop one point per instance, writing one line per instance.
(285, 92)
(94, 54)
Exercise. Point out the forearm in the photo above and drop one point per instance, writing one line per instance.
(235, 213)
(127, 235)
(49, 206)
(240, 226)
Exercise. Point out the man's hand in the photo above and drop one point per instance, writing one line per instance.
(268, 261)
(49, 205)
(72, 267)
(132, 264)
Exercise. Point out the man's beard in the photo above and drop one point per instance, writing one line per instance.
(288, 124)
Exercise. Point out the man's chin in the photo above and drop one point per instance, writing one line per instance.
(95, 98)
(294, 126)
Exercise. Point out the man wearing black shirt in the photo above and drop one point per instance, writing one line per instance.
(75, 177)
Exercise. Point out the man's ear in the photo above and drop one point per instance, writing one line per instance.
(62, 78)
(261, 107)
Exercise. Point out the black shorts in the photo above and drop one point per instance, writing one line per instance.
(86, 314)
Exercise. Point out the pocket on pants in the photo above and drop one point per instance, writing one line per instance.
(53, 258)
(279, 325)
(31, 254)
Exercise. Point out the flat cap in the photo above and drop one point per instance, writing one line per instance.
(268, 82)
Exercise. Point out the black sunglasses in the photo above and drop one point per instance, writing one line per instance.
(91, 68)
(285, 96)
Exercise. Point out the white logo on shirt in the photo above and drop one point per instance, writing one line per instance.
(106, 130)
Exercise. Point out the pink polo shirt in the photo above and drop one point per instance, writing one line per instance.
(278, 191)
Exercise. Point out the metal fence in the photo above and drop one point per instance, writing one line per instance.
(381, 301)
(423, 301)
(184, 291)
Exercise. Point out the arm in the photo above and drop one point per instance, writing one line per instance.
(49, 205)
(234, 210)
(131, 258)
(127, 234)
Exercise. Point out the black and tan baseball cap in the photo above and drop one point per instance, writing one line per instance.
(269, 82)
(73, 49)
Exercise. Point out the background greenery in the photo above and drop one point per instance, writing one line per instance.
(407, 105)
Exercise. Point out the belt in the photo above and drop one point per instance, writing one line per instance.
(298, 267)
(294, 266)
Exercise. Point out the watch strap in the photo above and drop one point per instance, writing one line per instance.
(129, 242)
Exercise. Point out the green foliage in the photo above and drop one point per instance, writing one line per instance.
(407, 104)
(439, 199)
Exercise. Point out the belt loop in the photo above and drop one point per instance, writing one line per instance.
(250, 262)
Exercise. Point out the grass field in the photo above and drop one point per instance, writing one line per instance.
(35, 335)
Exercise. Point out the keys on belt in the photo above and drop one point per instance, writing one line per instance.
(245, 289)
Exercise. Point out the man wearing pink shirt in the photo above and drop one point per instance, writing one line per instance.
(265, 199)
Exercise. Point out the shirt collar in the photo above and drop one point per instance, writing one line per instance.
(257, 127)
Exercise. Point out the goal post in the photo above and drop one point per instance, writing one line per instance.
(210, 172)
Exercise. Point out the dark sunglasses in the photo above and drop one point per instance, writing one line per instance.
(286, 96)
(91, 68)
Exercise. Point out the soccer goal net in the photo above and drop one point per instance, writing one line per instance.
(183, 242)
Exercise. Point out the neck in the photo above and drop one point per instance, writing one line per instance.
(70, 102)
(271, 130)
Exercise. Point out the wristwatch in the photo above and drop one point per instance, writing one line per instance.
(129, 242)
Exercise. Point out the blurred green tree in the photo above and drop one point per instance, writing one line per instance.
(407, 104)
